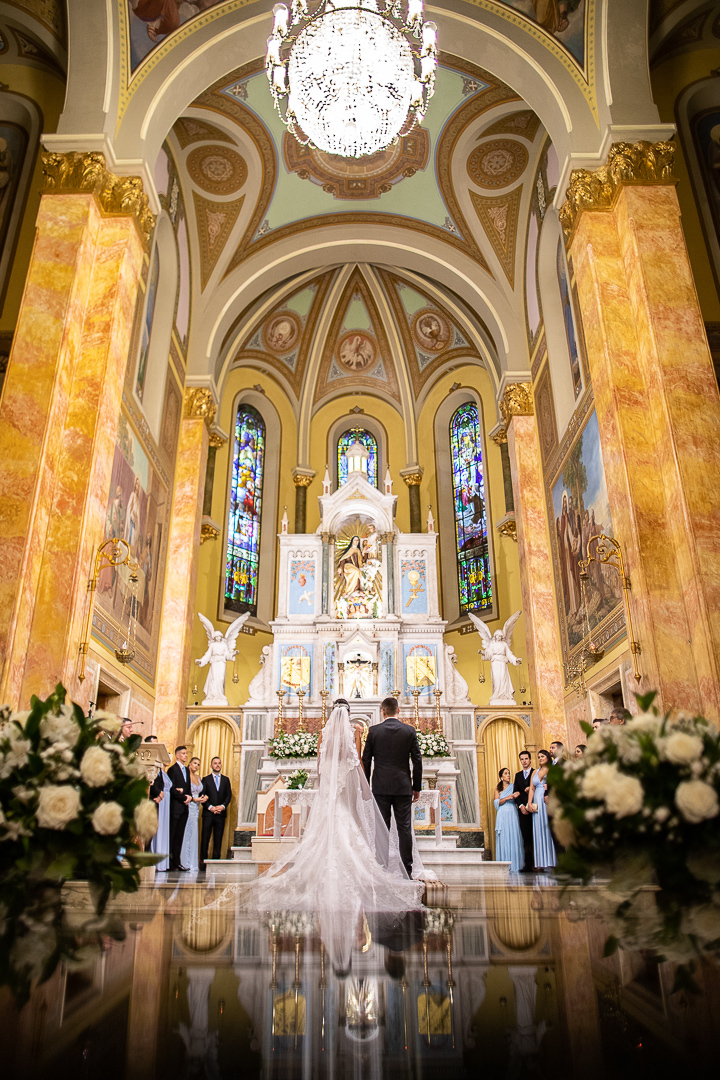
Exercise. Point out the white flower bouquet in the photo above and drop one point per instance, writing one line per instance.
(302, 744)
(72, 798)
(433, 744)
(645, 800)
(297, 780)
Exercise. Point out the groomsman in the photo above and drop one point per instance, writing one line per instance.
(219, 794)
(180, 799)
(521, 784)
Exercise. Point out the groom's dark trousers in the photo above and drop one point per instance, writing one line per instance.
(390, 746)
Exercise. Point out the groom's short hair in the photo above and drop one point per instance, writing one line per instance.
(389, 706)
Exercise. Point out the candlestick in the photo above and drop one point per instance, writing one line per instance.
(438, 718)
(416, 695)
(281, 695)
(300, 696)
(323, 714)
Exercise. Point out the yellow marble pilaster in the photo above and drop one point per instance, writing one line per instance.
(174, 651)
(659, 415)
(58, 420)
(536, 572)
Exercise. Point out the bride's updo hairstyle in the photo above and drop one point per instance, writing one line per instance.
(341, 701)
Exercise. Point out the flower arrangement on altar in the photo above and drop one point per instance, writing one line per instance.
(433, 744)
(302, 744)
(297, 780)
(643, 803)
(291, 923)
(73, 805)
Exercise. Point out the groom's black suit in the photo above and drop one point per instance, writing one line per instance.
(392, 744)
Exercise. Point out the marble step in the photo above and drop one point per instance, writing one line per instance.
(241, 854)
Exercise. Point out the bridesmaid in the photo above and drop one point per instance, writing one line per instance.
(543, 841)
(190, 856)
(508, 838)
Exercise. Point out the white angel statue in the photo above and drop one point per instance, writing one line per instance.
(260, 690)
(496, 649)
(221, 650)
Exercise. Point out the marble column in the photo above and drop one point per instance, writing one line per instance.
(658, 410)
(302, 479)
(325, 599)
(59, 414)
(413, 478)
(389, 540)
(178, 613)
(536, 572)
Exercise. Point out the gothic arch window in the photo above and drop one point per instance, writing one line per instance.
(469, 504)
(366, 439)
(242, 563)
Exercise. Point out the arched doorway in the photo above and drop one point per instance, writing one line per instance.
(218, 736)
(500, 741)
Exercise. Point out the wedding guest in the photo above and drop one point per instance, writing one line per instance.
(521, 783)
(508, 838)
(598, 722)
(537, 794)
(557, 751)
(618, 717)
(191, 838)
(580, 750)
(126, 730)
(160, 843)
(180, 799)
(218, 792)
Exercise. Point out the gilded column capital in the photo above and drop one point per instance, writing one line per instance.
(217, 439)
(412, 477)
(303, 478)
(628, 163)
(87, 173)
(517, 400)
(200, 405)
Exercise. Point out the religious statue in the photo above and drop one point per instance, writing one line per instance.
(457, 691)
(260, 690)
(221, 650)
(496, 649)
(358, 591)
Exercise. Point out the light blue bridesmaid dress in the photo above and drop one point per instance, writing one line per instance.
(542, 839)
(508, 838)
(190, 855)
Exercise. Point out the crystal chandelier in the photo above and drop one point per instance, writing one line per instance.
(347, 77)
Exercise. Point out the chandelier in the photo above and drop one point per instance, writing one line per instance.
(347, 77)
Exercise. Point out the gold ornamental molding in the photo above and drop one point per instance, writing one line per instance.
(507, 526)
(628, 163)
(78, 173)
(517, 400)
(208, 530)
(217, 440)
(302, 479)
(200, 405)
(412, 479)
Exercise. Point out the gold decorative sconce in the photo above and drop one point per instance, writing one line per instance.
(112, 553)
(609, 553)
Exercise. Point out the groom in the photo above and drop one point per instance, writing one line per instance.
(392, 744)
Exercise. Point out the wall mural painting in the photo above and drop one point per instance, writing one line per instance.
(569, 320)
(243, 546)
(137, 512)
(13, 148)
(581, 510)
(706, 133)
(564, 19)
(301, 594)
(413, 577)
(366, 439)
(473, 556)
(147, 324)
(150, 22)
(358, 571)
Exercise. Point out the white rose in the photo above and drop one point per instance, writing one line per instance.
(564, 830)
(680, 748)
(697, 801)
(645, 722)
(624, 795)
(57, 805)
(596, 780)
(146, 819)
(109, 722)
(108, 818)
(58, 729)
(96, 767)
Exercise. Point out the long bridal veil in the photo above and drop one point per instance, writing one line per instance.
(340, 864)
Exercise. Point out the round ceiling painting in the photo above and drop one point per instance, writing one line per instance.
(497, 163)
(217, 169)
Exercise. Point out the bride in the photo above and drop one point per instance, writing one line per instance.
(343, 863)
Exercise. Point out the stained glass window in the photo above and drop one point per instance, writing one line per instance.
(473, 559)
(243, 551)
(346, 440)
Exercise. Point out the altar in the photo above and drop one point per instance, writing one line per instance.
(358, 616)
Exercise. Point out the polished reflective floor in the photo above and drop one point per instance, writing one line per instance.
(503, 980)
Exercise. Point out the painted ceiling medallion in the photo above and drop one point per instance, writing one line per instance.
(358, 178)
(281, 332)
(217, 169)
(357, 353)
(431, 330)
(351, 79)
(497, 163)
